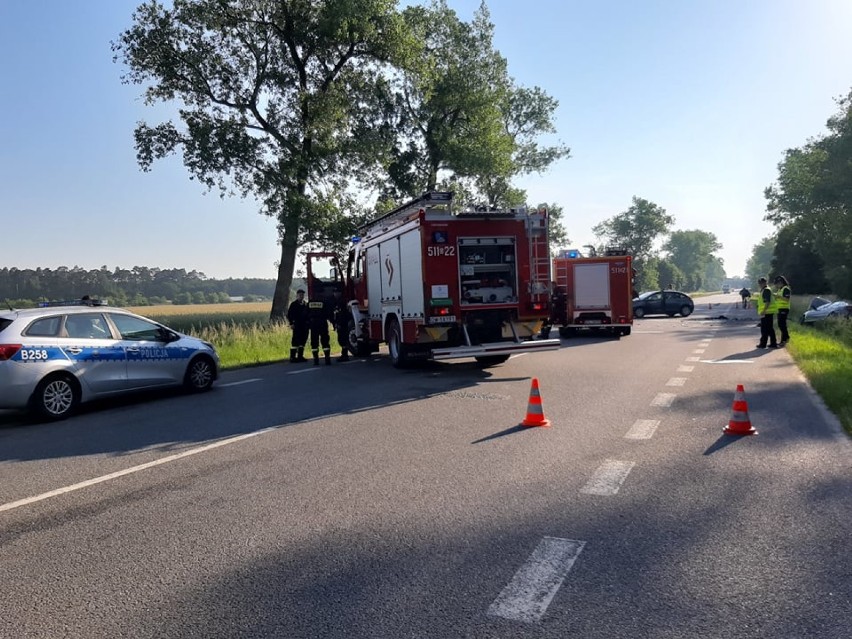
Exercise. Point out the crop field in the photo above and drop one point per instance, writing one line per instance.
(194, 318)
(241, 333)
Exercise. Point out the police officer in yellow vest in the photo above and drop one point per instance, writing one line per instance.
(783, 292)
(766, 311)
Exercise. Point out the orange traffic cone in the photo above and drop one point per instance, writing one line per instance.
(739, 424)
(535, 414)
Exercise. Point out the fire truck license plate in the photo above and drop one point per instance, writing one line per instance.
(442, 319)
(592, 322)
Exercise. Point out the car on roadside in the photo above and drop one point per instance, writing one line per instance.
(667, 302)
(840, 309)
(55, 357)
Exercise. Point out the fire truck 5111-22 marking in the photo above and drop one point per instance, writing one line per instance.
(441, 251)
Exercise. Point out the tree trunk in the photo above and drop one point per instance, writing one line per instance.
(281, 299)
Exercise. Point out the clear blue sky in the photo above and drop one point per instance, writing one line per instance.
(689, 104)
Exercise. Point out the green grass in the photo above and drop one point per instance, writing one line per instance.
(824, 354)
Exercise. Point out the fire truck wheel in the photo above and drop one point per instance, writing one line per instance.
(358, 348)
(490, 360)
(397, 350)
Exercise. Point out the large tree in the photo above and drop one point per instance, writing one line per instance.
(814, 187)
(796, 257)
(459, 121)
(760, 262)
(276, 99)
(692, 252)
(637, 228)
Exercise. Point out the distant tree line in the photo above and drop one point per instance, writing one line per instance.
(139, 286)
(687, 260)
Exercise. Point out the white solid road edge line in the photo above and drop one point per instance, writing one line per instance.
(239, 383)
(129, 471)
(529, 593)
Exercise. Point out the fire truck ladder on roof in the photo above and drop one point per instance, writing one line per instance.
(539, 253)
(402, 212)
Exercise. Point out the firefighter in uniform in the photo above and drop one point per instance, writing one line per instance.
(341, 324)
(297, 315)
(766, 311)
(783, 292)
(320, 313)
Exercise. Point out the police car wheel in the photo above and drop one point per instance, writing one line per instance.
(56, 397)
(200, 374)
(639, 312)
(685, 310)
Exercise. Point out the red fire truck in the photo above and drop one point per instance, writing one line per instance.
(438, 283)
(593, 293)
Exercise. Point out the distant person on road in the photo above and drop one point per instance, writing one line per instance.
(746, 295)
(297, 315)
(783, 292)
(766, 311)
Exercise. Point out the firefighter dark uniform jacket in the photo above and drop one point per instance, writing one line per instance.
(297, 313)
(320, 313)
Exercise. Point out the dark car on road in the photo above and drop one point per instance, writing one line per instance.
(669, 303)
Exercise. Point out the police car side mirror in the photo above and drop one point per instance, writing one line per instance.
(165, 335)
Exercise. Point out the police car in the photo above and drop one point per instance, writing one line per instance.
(55, 357)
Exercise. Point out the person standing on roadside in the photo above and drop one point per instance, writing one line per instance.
(341, 324)
(297, 315)
(766, 312)
(746, 295)
(320, 313)
(783, 292)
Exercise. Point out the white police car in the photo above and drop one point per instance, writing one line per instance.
(54, 357)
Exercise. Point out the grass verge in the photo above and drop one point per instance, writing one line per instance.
(824, 355)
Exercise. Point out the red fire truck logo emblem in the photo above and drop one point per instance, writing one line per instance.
(389, 269)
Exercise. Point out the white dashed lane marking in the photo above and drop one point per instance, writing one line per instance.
(529, 593)
(608, 478)
(663, 399)
(693, 359)
(698, 351)
(676, 381)
(685, 369)
(642, 429)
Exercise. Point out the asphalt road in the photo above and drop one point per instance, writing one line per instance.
(361, 501)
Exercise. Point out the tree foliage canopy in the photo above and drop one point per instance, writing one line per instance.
(812, 200)
(278, 99)
(692, 253)
(637, 228)
(304, 104)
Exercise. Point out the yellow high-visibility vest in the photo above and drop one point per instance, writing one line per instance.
(781, 301)
(771, 307)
